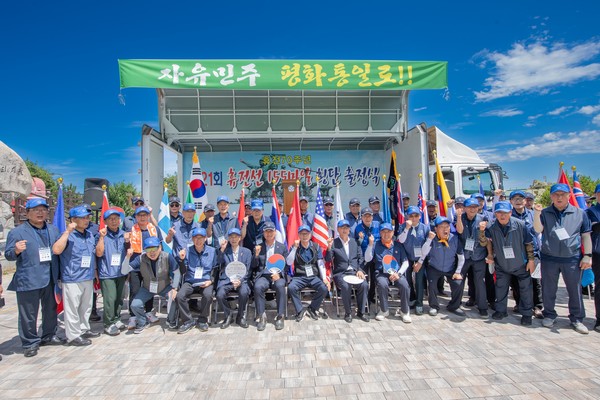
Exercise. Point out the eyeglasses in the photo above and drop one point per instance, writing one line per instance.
(138, 203)
(174, 205)
(151, 249)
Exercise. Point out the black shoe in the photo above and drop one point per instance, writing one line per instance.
(94, 317)
(499, 315)
(242, 321)
(53, 341)
(458, 312)
(186, 327)
(516, 309)
(228, 321)
(31, 352)
(324, 314)
(300, 316)
(470, 303)
(80, 342)
(363, 317)
(203, 326)
(171, 326)
(526, 320)
(90, 334)
(348, 318)
(483, 313)
(312, 313)
(279, 322)
(262, 323)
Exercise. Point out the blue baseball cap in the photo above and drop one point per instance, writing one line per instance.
(386, 227)
(86, 205)
(516, 193)
(109, 212)
(135, 199)
(151, 241)
(79, 212)
(36, 201)
(343, 222)
(413, 210)
(198, 231)
(441, 220)
(209, 207)
(471, 201)
(503, 206)
(405, 195)
(529, 195)
(353, 201)
(373, 199)
(477, 196)
(269, 226)
(303, 198)
(459, 200)
(174, 199)
(142, 209)
(327, 200)
(222, 198)
(234, 231)
(559, 187)
(189, 207)
(304, 228)
(366, 210)
(597, 190)
(257, 204)
(431, 203)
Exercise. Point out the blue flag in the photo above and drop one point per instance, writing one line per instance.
(387, 217)
(59, 213)
(164, 221)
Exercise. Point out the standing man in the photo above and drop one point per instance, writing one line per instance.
(564, 229)
(130, 221)
(347, 259)
(198, 261)
(529, 200)
(432, 213)
(329, 215)
(228, 253)
(252, 226)
(594, 215)
(181, 232)
(174, 209)
(222, 222)
(512, 243)
(375, 205)
(306, 259)
(30, 244)
(265, 279)
(405, 201)
(362, 234)
(111, 251)
(209, 218)
(306, 216)
(353, 216)
(77, 250)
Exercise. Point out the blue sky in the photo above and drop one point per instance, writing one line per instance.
(523, 76)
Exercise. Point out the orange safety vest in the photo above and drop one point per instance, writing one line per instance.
(136, 237)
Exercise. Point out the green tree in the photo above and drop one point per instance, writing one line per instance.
(120, 194)
(171, 182)
(38, 171)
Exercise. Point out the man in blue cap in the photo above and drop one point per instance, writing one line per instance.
(209, 218)
(266, 279)
(329, 214)
(156, 268)
(446, 259)
(564, 230)
(375, 205)
(469, 226)
(77, 250)
(388, 276)
(347, 260)
(222, 223)
(229, 252)
(198, 263)
(363, 231)
(111, 251)
(412, 237)
(483, 210)
(175, 209)
(593, 214)
(512, 243)
(252, 225)
(129, 221)
(181, 232)
(308, 269)
(405, 201)
(529, 200)
(307, 218)
(30, 245)
(353, 216)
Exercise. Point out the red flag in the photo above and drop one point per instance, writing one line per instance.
(294, 220)
(242, 210)
(562, 178)
(105, 208)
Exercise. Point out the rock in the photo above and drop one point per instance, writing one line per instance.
(14, 175)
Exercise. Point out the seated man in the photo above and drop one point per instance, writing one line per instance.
(198, 262)
(308, 269)
(266, 279)
(155, 267)
(446, 259)
(348, 260)
(232, 251)
(377, 251)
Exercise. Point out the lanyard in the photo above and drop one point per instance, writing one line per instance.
(39, 238)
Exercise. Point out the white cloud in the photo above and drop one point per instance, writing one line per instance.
(537, 67)
(559, 110)
(420, 109)
(548, 145)
(596, 120)
(588, 110)
(507, 112)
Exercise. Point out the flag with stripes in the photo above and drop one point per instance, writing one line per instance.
(562, 178)
(339, 211)
(164, 221)
(60, 223)
(422, 204)
(276, 218)
(197, 187)
(320, 233)
(577, 192)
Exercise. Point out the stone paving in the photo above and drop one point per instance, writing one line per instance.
(440, 357)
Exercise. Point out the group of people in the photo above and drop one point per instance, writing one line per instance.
(493, 250)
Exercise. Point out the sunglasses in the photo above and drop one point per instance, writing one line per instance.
(138, 203)
(174, 205)
(151, 249)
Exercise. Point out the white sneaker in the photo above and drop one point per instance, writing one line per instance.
(398, 313)
(406, 318)
(151, 318)
(132, 323)
(548, 322)
(120, 325)
(382, 315)
(580, 327)
(433, 312)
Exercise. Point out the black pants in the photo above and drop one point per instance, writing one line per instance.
(370, 267)
(183, 305)
(456, 288)
(135, 282)
(596, 269)
(536, 293)
(502, 283)
(28, 305)
(477, 270)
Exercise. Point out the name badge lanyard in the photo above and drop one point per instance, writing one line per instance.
(560, 231)
(43, 248)
(507, 238)
(199, 270)
(118, 252)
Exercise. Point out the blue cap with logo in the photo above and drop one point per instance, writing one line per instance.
(151, 241)
(471, 201)
(477, 196)
(136, 199)
(222, 198)
(198, 231)
(79, 212)
(234, 231)
(529, 195)
(36, 201)
(257, 204)
(304, 228)
(413, 210)
(441, 220)
(189, 207)
(269, 226)
(373, 199)
(109, 212)
(174, 199)
(597, 190)
(327, 200)
(516, 193)
(209, 207)
(141, 209)
(503, 206)
(366, 210)
(386, 227)
(354, 201)
(343, 222)
(405, 195)
(559, 187)
(303, 198)
(431, 203)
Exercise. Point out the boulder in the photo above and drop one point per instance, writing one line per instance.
(14, 175)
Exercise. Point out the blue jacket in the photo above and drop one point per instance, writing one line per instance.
(417, 240)
(114, 244)
(443, 258)
(183, 235)
(244, 256)
(78, 245)
(207, 261)
(30, 273)
(372, 230)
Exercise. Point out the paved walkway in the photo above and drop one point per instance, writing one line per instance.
(433, 358)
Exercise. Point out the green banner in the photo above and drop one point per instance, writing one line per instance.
(284, 74)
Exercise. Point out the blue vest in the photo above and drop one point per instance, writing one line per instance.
(421, 231)
(574, 221)
(517, 235)
(207, 261)
(443, 258)
(78, 245)
(471, 231)
(114, 243)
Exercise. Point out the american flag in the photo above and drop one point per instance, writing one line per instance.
(320, 232)
(577, 192)
(422, 205)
